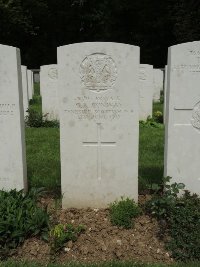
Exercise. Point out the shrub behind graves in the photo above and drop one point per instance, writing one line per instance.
(165, 199)
(184, 228)
(158, 116)
(37, 119)
(122, 212)
(20, 217)
(179, 217)
(156, 121)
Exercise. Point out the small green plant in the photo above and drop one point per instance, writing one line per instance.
(164, 199)
(37, 120)
(62, 233)
(122, 212)
(151, 122)
(20, 217)
(158, 116)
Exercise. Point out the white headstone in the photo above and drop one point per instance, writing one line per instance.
(182, 143)
(165, 94)
(25, 89)
(12, 137)
(30, 84)
(49, 91)
(32, 81)
(99, 106)
(36, 77)
(158, 84)
(146, 91)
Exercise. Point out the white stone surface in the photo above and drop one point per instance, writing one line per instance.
(12, 138)
(30, 84)
(36, 77)
(158, 84)
(49, 91)
(182, 138)
(146, 91)
(99, 106)
(25, 89)
(165, 94)
(32, 81)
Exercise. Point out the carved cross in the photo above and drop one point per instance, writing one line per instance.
(99, 144)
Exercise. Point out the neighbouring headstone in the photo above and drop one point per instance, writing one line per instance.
(158, 84)
(146, 91)
(99, 106)
(12, 137)
(182, 146)
(49, 91)
(25, 89)
(36, 75)
(30, 84)
(165, 95)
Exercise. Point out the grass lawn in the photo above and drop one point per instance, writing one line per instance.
(43, 153)
(113, 264)
(157, 107)
(151, 156)
(43, 157)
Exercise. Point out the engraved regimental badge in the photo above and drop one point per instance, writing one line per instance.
(98, 72)
(53, 73)
(142, 74)
(196, 116)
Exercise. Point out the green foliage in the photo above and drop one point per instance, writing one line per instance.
(122, 212)
(20, 217)
(151, 122)
(184, 228)
(157, 106)
(182, 218)
(165, 199)
(62, 233)
(158, 116)
(155, 121)
(36, 119)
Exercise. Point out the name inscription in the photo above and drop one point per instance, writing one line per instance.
(7, 109)
(193, 68)
(99, 108)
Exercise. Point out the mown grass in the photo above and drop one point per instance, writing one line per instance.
(111, 264)
(43, 157)
(157, 107)
(151, 156)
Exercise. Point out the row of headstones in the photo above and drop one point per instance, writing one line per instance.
(151, 85)
(27, 87)
(99, 130)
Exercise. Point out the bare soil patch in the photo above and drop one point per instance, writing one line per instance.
(101, 241)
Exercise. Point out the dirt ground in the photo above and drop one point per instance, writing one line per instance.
(101, 241)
